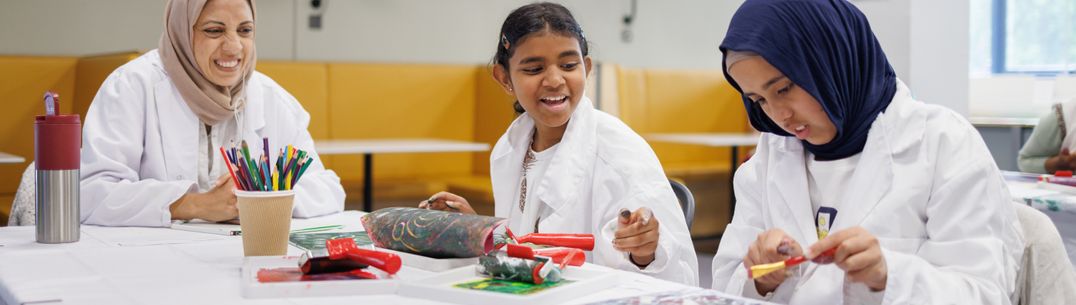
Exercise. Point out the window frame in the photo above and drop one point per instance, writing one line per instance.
(998, 43)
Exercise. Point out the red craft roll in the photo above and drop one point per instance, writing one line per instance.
(345, 248)
(578, 241)
(57, 142)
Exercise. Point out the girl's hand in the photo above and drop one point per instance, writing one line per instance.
(449, 202)
(637, 234)
(858, 254)
(771, 246)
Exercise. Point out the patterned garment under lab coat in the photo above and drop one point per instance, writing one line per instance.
(24, 209)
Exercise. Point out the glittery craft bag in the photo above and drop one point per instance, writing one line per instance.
(432, 233)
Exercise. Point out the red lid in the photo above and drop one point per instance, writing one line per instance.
(57, 142)
(1063, 173)
(58, 119)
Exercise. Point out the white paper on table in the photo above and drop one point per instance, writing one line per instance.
(42, 275)
(364, 300)
(689, 296)
(25, 238)
(80, 290)
(139, 261)
(630, 285)
(212, 288)
(350, 220)
(142, 236)
(1023, 190)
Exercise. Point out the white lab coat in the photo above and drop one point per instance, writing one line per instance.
(140, 146)
(600, 166)
(925, 186)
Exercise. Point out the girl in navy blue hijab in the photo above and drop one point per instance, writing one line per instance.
(917, 208)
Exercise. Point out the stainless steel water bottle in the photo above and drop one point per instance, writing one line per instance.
(57, 142)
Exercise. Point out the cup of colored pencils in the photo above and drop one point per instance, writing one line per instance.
(256, 173)
(264, 194)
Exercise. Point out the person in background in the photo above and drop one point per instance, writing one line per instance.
(1050, 147)
(150, 144)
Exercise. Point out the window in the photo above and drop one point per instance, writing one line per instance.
(1023, 36)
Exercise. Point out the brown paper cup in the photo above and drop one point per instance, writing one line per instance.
(265, 218)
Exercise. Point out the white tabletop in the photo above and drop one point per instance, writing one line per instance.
(1058, 205)
(1003, 122)
(706, 139)
(9, 158)
(338, 147)
(129, 265)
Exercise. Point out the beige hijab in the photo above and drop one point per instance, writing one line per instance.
(210, 102)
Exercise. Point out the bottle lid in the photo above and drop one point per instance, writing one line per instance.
(58, 119)
(1063, 173)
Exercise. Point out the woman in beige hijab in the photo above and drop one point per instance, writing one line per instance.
(150, 142)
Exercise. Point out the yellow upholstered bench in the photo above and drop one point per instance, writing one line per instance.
(686, 101)
(377, 101)
(23, 82)
(493, 114)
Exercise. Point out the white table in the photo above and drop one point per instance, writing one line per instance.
(1059, 206)
(6, 158)
(732, 140)
(381, 146)
(117, 265)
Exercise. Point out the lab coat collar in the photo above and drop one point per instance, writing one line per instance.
(572, 161)
(871, 180)
(789, 177)
(179, 126)
(567, 168)
(873, 177)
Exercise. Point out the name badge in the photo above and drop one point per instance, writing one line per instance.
(823, 220)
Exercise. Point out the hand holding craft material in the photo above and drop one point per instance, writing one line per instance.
(758, 271)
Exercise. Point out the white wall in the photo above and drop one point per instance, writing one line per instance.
(926, 41)
(70, 27)
(668, 34)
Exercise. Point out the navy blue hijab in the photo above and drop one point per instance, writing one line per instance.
(827, 48)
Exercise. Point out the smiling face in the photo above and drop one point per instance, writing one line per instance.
(547, 74)
(223, 40)
(784, 102)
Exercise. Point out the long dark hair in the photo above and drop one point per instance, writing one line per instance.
(534, 18)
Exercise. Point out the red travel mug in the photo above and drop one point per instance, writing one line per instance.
(57, 145)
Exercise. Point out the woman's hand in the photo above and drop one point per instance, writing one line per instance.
(216, 205)
(1062, 161)
(637, 234)
(771, 246)
(858, 254)
(449, 202)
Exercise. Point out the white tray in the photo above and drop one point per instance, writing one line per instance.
(432, 264)
(439, 287)
(1057, 187)
(254, 289)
